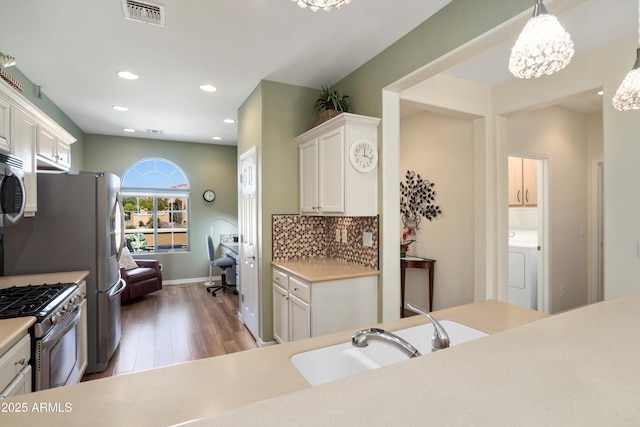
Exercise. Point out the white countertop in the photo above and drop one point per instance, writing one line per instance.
(213, 386)
(39, 279)
(324, 269)
(579, 368)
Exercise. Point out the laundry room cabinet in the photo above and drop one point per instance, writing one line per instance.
(523, 182)
(330, 184)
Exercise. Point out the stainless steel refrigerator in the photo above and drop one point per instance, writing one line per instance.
(78, 226)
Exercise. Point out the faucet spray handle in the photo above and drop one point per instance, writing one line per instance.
(440, 338)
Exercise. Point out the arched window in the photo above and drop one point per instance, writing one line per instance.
(155, 198)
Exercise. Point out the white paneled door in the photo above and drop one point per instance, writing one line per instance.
(249, 298)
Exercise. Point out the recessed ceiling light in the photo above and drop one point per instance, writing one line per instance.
(208, 88)
(216, 138)
(119, 108)
(129, 130)
(127, 75)
(600, 92)
(229, 121)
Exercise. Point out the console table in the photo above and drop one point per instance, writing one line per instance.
(415, 262)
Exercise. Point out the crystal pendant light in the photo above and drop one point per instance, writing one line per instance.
(628, 94)
(327, 5)
(543, 47)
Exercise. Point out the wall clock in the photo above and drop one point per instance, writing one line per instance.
(208, 195)
(363, 155)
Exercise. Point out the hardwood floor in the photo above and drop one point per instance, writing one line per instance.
(177, 324)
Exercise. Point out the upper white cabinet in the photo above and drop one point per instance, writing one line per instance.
(332, 181)
(31, 135)
(53, 151)
(5, 138)
(23, 144)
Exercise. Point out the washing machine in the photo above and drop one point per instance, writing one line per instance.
(523, 268)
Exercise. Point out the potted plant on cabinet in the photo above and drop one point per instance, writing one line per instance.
(330, 103)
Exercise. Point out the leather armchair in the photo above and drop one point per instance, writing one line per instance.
(143, 280)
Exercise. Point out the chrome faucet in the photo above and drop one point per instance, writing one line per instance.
(361, 339)
(440, 338)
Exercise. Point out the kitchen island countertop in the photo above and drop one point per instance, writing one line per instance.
(213, 386)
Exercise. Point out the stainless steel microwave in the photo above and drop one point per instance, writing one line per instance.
(13, 196)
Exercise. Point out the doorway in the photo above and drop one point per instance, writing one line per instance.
(248, 207)
(528, 218)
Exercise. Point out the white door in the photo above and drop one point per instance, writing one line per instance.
(249, 298)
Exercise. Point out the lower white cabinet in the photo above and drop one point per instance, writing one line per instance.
(83, 357)
(280, 314)
(302, 309)
(15, 371)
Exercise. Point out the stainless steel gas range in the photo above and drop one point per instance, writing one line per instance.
(58, 342)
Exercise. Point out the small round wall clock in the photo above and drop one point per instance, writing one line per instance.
(363, 155)
(209, 195)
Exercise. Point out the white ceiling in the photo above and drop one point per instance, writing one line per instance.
(592, 24)
(73, 49)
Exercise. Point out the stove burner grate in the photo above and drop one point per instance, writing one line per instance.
(32, 300)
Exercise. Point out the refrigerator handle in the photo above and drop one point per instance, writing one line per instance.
(123, 237)
(118, 289)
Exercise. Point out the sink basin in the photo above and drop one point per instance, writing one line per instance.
(338, 361)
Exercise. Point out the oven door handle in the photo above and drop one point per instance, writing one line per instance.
(70, 325)
(118, 289)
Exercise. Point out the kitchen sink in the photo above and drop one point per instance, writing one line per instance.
(343, 360)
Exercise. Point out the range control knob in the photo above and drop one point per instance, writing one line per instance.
(55, 319)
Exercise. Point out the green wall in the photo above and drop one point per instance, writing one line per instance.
(453, 26)
(206, 166)
(270, 119)
(275, 113)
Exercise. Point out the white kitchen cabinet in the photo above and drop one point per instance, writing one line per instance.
(23, 137)
(302, 309)
(280, 314)
(5, 137)
(300, 319)
(83, 357)
(52, 151)
(329, 184)
(34, 137)
(15, 371)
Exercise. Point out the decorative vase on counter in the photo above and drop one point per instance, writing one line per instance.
(403, 251)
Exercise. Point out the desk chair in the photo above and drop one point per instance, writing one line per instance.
(223, 263)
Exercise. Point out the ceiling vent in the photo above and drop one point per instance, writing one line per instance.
(155, 131)
(141, 11)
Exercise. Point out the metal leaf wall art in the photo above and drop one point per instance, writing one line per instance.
(417, 198)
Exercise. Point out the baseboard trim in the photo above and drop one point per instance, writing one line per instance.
(265, 344)
(190, 280)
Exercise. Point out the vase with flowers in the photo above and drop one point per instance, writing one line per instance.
(406, 241)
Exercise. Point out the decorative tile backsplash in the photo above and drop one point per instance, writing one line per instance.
(302, 236)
